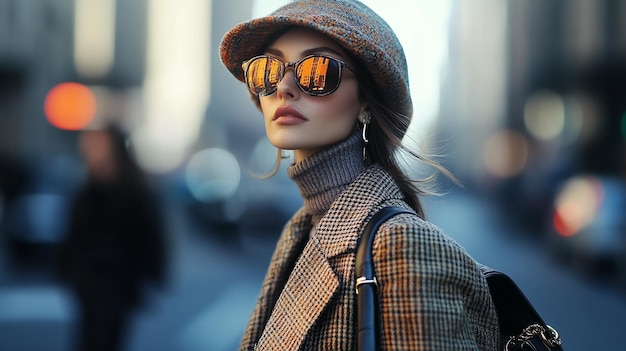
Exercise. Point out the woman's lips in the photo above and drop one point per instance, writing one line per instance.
(288, 116)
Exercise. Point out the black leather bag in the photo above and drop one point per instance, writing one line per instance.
(521, 327)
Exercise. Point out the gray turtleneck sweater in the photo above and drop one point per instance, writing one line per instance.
(323, 176)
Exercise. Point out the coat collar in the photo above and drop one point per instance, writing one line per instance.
(340, 228)
(313, 282)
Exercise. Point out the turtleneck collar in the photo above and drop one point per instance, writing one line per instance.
(323, 176)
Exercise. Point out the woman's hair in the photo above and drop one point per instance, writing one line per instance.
(385, 134)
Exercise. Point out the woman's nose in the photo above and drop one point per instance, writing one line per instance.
(287, 87)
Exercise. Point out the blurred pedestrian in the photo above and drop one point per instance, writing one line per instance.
(114, 246)
(330, 78)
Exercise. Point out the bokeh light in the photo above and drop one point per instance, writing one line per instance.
(212, 175)
(262, 160)
(70, 106)
(577, 205)
(544, 115)
(505, 153)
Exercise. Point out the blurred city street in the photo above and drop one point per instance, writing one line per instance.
(214, 281)
(522, 100)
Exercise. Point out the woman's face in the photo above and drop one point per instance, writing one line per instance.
(297, 121)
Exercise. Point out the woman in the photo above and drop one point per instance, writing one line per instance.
(331, 80)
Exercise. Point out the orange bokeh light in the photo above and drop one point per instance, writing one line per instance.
(70, 106)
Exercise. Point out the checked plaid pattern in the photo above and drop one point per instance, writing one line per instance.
(433, 295)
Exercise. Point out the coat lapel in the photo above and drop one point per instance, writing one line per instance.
(309, 289)
(287, 251)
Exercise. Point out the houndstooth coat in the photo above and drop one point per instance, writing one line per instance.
(432, 295)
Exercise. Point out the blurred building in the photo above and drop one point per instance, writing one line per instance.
(550, 76)
(532, 95)
(43, 43)
(38, 50)
(533, 108)
(152, 67)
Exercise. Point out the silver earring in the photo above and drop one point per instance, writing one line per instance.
(367, 118)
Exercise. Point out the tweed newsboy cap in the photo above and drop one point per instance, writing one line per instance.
(350, 23)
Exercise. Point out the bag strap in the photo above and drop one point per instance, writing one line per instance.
(366, 284)
(520, 324)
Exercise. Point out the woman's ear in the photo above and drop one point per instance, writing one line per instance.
(364, 113)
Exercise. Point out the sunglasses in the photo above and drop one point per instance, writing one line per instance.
(316, 75)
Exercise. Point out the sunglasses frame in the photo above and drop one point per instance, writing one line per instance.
(294, 65)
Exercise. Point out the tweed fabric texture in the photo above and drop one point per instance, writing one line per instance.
(433, 295)
(354, 26)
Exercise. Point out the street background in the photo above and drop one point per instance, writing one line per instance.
(523, 100)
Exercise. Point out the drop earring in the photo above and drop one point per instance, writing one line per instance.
(367, 118)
